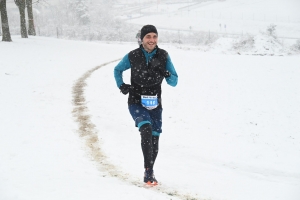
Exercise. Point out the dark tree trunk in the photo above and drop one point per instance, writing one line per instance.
(21, 5)
(31, 29)
(4, 21)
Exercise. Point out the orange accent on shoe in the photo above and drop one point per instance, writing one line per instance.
(149, 183)
(152, 184)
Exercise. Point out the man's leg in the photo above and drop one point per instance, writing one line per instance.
(155, 140)
(148, 152)
(146, 144)
(144, 122)
(156, 119)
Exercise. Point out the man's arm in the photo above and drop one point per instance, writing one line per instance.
(123, 65)
(173, 79)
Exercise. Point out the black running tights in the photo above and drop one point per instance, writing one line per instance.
(149, 145)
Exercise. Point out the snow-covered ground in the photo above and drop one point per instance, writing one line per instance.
(231, 126)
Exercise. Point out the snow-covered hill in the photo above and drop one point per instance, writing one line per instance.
(239, 26)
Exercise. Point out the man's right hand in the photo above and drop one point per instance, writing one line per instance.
(125, 88)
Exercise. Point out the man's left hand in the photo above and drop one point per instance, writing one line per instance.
(166, 73)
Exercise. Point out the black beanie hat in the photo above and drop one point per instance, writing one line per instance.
(148, 29)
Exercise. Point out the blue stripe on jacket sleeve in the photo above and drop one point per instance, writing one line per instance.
(173, 79)
(123, 65)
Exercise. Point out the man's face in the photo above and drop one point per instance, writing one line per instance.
(150, 41)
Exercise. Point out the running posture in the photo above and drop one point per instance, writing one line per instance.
(149, 66)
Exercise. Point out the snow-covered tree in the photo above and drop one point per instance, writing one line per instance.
(79, 10)
(22, 5)
(31, 29)
(4, 22)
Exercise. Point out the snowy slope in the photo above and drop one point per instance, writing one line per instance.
(235, 17)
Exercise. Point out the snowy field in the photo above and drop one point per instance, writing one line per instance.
(231, 126)
(221, 16)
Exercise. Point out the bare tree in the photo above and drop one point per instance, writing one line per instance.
(4, 21)
(21, 5)
(31, 29)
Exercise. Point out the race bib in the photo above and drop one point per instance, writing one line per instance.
(149, 102)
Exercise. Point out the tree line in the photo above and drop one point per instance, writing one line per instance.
(70, 19)
(22, 5)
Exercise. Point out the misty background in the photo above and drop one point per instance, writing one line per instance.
(198, 23)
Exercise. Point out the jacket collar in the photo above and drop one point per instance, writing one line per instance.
(151, 53)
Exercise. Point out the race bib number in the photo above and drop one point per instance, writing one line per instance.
(149, 102)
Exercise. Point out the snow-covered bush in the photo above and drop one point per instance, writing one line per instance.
(244, 43)
(271, 30)
(264, 43)
(296, 46)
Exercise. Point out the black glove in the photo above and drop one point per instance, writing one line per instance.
(166, 73)
(125, 88)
